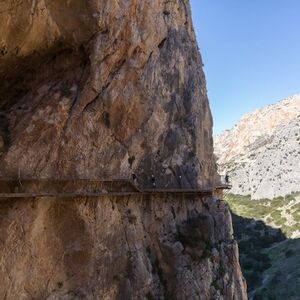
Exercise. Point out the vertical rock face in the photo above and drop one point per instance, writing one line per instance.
(106, 89)
(118, 248)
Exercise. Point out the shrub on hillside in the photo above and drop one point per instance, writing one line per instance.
(289, 253)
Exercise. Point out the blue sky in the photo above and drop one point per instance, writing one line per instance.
(251, 54)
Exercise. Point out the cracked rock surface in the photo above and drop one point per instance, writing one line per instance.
(118, 248)
(104, 89)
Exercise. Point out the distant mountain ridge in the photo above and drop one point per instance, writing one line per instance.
(261, 153)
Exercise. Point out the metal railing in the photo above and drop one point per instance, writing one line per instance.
(23, 188)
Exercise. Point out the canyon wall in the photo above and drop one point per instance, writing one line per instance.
(118, 248)
(104, 90)
(261, 152)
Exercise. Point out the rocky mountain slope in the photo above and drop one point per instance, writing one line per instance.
(104, 90)
(261, 153)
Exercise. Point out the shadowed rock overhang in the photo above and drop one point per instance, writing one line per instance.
(96, 90)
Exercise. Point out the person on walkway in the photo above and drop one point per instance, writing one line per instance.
(226, 179)
(134, 179)
(180, 181)
(153, 181)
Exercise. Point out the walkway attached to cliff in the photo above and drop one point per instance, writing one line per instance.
(70, 188)
(223, 186)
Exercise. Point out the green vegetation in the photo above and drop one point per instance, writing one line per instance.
(253, 238)
(282, 279)
(272, 212)
(270, 262)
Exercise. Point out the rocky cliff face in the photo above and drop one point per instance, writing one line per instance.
(118, 248)
(261, 153)
(102, 90)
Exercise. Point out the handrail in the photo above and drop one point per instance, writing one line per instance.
(21, 188)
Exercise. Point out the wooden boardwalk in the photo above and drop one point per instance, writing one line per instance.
(74, 188)
(223, 186)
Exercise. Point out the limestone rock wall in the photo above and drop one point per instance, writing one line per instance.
(261, 153)
(270, 170)
(104, 89)
(255, 129)
(118, 248)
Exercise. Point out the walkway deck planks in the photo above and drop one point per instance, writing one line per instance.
(74, 188)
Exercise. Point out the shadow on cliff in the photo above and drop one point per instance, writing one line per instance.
(269, 260)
